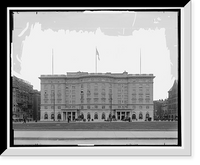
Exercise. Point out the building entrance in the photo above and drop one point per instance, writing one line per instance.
(122, 115)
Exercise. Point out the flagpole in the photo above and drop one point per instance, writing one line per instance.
(54, 99)
(96, 61)
(52, 61)
(140, 61)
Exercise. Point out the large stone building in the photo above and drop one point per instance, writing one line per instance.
(96, 96)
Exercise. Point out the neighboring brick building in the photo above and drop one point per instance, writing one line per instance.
(36, 105)
(22, 100)
(173, 101)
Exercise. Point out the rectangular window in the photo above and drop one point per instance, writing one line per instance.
(103, 99)
(59, 107)
(103, 107)
(140, 100)
(96, 100)
(134, 100)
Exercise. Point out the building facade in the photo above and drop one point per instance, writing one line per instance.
(36, 105)
(22, 100)
(173, 101)
(160, 109)
(96, 96)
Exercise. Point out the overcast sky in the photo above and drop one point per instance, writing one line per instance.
(118, 36)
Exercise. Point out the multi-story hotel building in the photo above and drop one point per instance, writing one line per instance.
(96, 96)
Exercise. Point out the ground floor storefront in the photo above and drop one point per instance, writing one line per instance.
(96, 115)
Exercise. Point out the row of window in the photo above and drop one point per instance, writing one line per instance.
(52, 116)
(52, 107)
(96, 116)
(88, 85)
(96, 106)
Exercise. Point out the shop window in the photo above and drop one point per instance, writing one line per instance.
(45, 116)
(133, 116)
(147, 115)
(103, 116)
(59, 116)
(96, 116)
(88, 116)
(140, 116)
(52, 116)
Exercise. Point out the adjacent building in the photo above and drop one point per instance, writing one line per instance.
(160, 109)
(173, 101)
(36, 105)
(22, 100)
(157, 109)
(96, 96)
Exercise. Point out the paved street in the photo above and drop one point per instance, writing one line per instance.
(95, 137)
(98, 133)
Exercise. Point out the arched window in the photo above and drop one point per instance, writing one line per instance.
(133, 116)
(52, 116)
(147, 115)
(103, 116)
(59, 116)
(45, 116)
(88, 116)
(140, 115)
(96, 115)
(82, 115)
